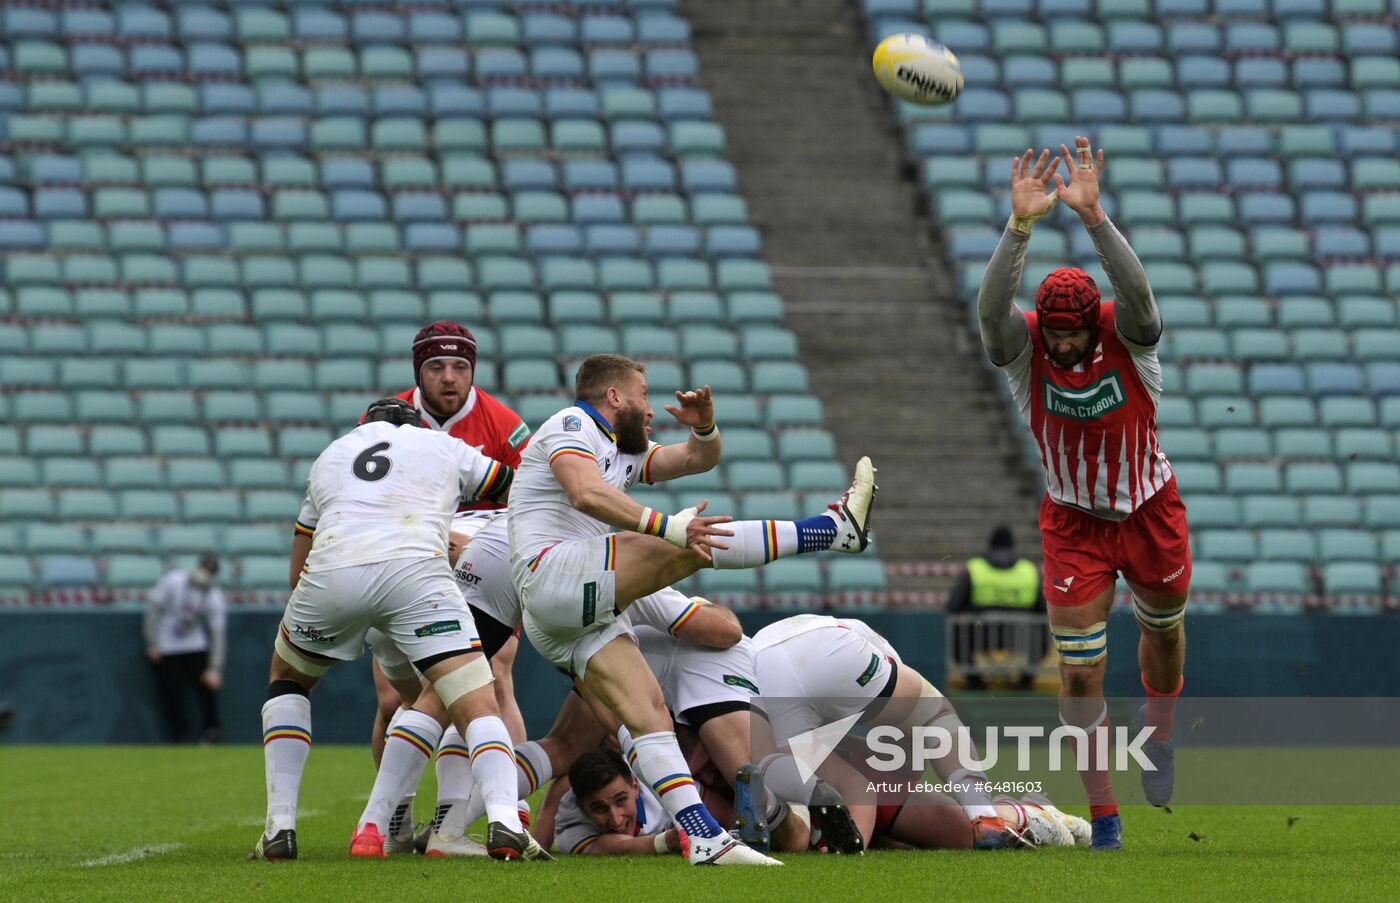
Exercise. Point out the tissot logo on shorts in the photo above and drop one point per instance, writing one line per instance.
(438, 628)
(312, 634)
(1088, 403)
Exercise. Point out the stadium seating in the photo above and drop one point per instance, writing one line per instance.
(221, 225)
(1252, 165)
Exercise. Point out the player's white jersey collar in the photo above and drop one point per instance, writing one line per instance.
(597, 417)
(446, 425)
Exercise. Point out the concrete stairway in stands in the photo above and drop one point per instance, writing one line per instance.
(889, 348)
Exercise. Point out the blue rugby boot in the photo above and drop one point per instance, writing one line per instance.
(1108, 833)
(750, 826)
(1157, 785)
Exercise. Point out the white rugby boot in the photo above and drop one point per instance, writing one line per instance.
(852, 510)
(1079, 828)
(440, 847)
(725, 850)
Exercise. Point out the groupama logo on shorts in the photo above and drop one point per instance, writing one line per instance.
(734, 680)
(1088, 403)
(870, 671)
(437, 628)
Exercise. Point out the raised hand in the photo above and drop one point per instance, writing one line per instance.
(1084, 169)
(1028, 181)
(694, 409)
(700, 532)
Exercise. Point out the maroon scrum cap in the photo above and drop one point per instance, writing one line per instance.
(442, 339)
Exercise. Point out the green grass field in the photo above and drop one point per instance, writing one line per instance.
(157, 823)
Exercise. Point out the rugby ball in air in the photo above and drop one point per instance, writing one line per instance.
(913, 68)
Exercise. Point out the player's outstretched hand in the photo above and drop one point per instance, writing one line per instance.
(693, 409)
(1028, 180)
(1084, 170)
(701, 532)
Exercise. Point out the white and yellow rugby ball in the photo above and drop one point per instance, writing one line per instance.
(913, 68)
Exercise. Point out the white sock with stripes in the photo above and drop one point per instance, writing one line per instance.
(286, 744)
(757, 542)
(410, 744)
(493, 766)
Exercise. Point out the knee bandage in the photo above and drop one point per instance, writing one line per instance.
(1081, 645)
(474, 675)
(1158, 620)
(293, 656)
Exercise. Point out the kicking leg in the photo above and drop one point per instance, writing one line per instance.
(646, 564)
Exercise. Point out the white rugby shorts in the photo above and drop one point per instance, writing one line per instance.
(414, 602)
(568, 595)
(820, 676)
(692, 676)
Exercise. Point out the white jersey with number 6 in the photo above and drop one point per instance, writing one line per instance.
(384, 492)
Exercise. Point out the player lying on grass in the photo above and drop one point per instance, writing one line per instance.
(582, 552)
(815, 670)
(605, 811)
(371, 551)
(1085, 374)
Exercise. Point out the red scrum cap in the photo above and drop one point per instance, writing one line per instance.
(442, 339)
(1068, 299)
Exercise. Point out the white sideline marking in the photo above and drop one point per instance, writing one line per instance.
(135, 855)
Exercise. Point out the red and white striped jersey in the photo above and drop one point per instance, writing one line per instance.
(1096, 424)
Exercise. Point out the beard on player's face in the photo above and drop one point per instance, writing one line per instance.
(631, 429)
(446, 385)
(1067, 348)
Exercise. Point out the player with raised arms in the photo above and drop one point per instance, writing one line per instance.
(1085, 375)
(582, 551)
(370, 549)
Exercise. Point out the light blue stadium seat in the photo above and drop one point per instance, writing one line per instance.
(1360, 578)
(1277, 577)
(1226, 545)
(1331, 511)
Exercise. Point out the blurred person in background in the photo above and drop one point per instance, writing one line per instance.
(1000, 581)
(185, 641)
